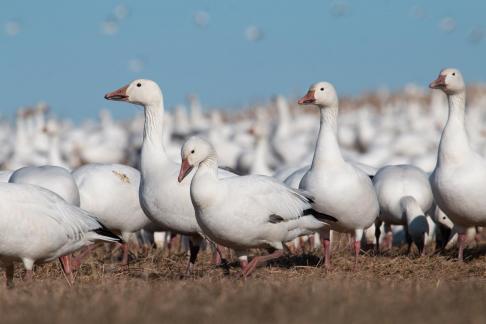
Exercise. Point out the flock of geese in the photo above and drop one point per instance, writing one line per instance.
(69, 187)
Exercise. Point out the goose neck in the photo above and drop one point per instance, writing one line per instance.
(153, 131)
(327, 146)
(454, 143)
(209, 165)
(153, 149)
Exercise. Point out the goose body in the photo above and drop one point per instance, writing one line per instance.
(341, 189)
(244, 212)
(110, 192)
(37, 225)
(405, 197)
(459, 179)
(54, 178)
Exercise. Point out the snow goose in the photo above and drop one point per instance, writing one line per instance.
(54, 156)
(405, 197)
(459, 179)
(36, 225)
(284, 137)
(165, 201)
(53, 178)
(244, 212)
(110, 192)
(340, 188)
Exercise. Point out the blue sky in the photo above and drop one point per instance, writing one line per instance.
(61, 55)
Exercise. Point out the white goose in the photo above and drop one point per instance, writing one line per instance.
(340, 188)
(54, 178)
(165, 201)
(405, 197)
(248, 211)
(459, 178)
(110, 192)
(36, 225)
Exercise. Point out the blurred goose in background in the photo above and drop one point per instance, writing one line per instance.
(182, 127)
(340, 189)
(199, 122)
(289, 146)
(244, 212)
(459, 178)
(105, 143)
(37, 225)
(54, 154)
(405, 197)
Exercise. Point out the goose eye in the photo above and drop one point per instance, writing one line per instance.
(322, 89)
(443, 217)
(139, 84)
(192, 152)
(454, 73)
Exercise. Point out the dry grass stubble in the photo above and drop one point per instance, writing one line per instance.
(387, 288)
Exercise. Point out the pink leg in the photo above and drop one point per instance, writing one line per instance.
(357, 249)
(461, 240)
(29, 274)
(124, 261)
(218, 255)
(172, 240)
(326, 248)
(243, 265)
(76, 261)
(250, 267)
(67, 268)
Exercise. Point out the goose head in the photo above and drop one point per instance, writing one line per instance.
(194, 151)
(322, 94)
(139, 92)
(450, 81)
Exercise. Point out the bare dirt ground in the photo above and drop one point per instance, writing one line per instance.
(389, 288)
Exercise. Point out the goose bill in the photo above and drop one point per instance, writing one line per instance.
(307, 99)
(118, 95)
(438, 83)
(185, 170)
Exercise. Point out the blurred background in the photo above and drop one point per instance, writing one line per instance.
(231, 71)
(230, 53)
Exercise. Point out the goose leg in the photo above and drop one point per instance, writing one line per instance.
(377, 235)
(461, 241)
(9, 275)
(76, 261)
(421, 246)
(325, 236)
(243, 261)
(358, 235)
(28, 265)
(388, 241)
(477, 236)
(125, 260)
(194, 246)
(67, 268)
(218, 255)
(256, 261)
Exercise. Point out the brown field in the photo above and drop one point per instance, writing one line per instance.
(390, 288)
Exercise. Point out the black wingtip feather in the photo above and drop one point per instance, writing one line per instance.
(320, 216)
(103, 231)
